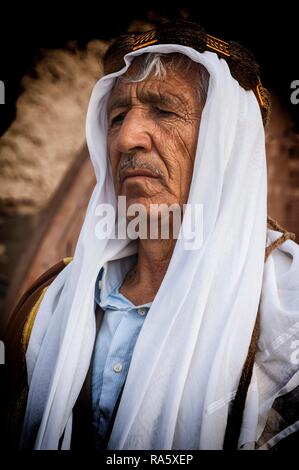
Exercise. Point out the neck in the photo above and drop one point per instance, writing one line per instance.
(144, 279)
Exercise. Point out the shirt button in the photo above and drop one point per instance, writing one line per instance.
(117, 367)
(142, 311)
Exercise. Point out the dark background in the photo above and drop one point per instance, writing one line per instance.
(269, 32)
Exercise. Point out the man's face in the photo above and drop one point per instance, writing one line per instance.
(152, 137)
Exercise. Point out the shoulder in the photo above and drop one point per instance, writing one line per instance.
(16, 340)
(22, 318)
(278, 345)
(280, 238)
(284, 253)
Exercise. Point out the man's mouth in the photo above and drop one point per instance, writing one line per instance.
(132, 173)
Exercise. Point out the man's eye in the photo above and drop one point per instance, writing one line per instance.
(118, 119)
(164, 112)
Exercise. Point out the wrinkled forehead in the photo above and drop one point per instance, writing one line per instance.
(154, 92)
(174, 84)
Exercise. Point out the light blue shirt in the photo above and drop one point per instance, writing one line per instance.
(115, 342)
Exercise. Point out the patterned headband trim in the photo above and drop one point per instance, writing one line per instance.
(242, 64)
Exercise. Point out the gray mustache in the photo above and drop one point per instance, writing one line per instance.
(133, 162)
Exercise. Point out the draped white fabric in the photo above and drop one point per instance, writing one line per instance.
(188, 357)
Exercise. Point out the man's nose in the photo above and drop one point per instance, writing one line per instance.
(134, 133)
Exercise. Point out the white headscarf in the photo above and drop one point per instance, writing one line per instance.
(189, 354)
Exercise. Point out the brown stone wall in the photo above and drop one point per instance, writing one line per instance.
(42, 144)
(282, 146)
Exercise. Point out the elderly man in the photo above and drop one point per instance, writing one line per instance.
(156, 343)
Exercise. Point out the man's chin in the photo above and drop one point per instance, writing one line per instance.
(139, 203)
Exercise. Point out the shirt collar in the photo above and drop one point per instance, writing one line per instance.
(108, 282)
